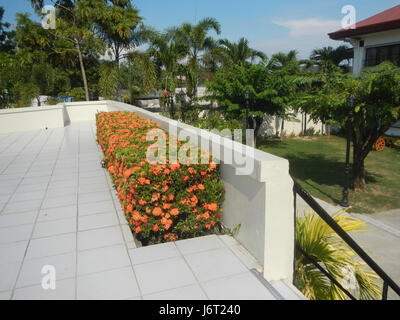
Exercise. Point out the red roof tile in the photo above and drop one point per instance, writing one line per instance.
(384, 21)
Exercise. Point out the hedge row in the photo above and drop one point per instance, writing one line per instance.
(162, 202)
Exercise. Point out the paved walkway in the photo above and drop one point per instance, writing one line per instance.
(381, 242)
(57, 208)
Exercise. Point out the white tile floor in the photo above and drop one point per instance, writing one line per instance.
(57, 208)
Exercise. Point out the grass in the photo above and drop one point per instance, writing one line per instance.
(317, 163)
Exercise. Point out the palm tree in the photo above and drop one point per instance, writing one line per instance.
(239, 53)
(323, 245)
(336, 56)
(282, 59)
(213, 60)
(121, 29)
(198, 42)
(74, 26)
(140, 74)
(167, 53)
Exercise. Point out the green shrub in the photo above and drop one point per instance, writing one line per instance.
(162, 202)
(77, 94)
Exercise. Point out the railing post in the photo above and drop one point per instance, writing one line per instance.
(348, 239)
(279, 221)
(385, 290)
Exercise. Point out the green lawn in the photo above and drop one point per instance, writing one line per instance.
(317, 163)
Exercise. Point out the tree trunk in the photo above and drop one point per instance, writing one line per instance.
(305, 124)
(85, 85)
(358, 170)
(256, 123)
(118, 89)
(277, 118)
(282, 127)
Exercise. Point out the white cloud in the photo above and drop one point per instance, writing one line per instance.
(304, 36)
(310, 26)
(304, 45)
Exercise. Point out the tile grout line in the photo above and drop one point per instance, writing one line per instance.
(120, 226)
(215, 249)
(23, 147)
(179, 252)
(27, 170)
(77, 216)
(43, 199)
(37, 284)
(191, 270)
(5, 149)
(18, 153)
(4, 137)
(37, 216)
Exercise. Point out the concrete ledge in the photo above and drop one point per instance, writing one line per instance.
(83, 110)
(32, 118)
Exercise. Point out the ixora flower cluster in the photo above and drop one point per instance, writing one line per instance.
(162, 202)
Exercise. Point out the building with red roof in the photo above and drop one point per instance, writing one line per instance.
(375, 39)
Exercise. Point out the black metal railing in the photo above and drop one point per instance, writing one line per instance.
(387, 281)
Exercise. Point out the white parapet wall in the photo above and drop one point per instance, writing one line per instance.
(259, 189)
(83, 110)
(31, 118)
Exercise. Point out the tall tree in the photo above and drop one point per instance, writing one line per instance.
(139, 75)
(7, 46)
(282, 59)
(32, 73)
(198, 42)
(240, 53)
(7, 43)
(377, 106)
(229, 87)
(120, 27)
(167, 53)
(74, 24)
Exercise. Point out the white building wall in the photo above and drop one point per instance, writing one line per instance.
(372, 40)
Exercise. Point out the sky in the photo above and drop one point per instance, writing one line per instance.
(270, 26)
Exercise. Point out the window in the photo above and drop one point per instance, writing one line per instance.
(377, 55)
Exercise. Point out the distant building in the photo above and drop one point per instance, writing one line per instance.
(375, 39)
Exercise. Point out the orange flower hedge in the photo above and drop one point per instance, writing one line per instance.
(162, 202)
